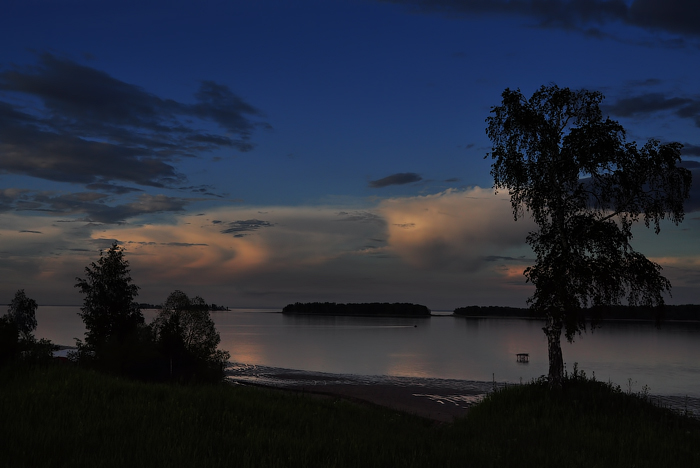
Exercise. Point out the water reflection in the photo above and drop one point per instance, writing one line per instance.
(445, 347)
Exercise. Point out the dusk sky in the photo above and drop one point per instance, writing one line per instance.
(258, 153)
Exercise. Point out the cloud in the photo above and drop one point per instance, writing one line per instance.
(116, 189)
(587, 16)
(496, 258)
(67, 122)
(692, 204)
(678, 16)
(303, 240)
(453, 229)
(95, 208)
(646, 103)
(243, 227)
(442, 250)
(9, 198)
(651, 103)
(396, 179)
(361, 216)
(690, 150)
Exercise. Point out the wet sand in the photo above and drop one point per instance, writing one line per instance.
(438, 404)
(440, 400)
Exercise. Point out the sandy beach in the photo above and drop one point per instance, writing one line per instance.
(438, 404)
(435, 399)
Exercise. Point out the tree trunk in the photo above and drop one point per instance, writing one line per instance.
(556, 361)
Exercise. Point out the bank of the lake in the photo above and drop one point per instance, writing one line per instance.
(447, 348)
(67, 416)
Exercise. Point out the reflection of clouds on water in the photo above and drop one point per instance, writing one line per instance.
(407, 364)
(244, 351)
(443, 347)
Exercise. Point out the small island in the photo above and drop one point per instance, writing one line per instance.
(372, 309)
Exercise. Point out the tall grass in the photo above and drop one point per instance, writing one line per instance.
(67, 416)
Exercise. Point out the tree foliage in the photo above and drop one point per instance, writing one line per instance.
(22, 312)
(17, 341)
(109, 311)
(585, 187)
(187, 336)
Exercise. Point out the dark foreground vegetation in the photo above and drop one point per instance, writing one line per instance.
(70, 416)
(372, 309)
(686, 312)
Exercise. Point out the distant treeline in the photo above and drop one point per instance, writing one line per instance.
(366, 309)
(669, 312)
(210, 307)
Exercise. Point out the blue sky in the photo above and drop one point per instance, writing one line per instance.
(262, 152)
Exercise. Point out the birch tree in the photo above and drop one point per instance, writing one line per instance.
(585, 187)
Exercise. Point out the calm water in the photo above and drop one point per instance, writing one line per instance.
(666, 360)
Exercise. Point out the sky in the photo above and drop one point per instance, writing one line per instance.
(259, 153)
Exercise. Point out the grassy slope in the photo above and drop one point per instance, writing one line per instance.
(64, 416)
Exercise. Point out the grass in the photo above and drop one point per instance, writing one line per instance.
(67, 416)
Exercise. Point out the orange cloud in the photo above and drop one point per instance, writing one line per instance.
(458, 228)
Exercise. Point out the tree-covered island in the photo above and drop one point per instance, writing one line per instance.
(372, 309)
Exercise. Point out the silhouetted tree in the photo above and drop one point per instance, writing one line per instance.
(188, 337)
(585, 187)
(22, 312)
(17, 341)
(109, 312)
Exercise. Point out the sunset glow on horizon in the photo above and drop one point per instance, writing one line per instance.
(263, 153)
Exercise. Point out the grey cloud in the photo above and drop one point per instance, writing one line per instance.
(674, 16)
(31, 232)
(92, 128)
(203, 189)
(183, 244)
(116, 189)
(9, 197)
(646, 103)
(678, 16)
(241, 228)
(496, 258)
(94, 206)
(649, 103)
(693, 203)
(690, 150)
(396, 179)
(361, 216)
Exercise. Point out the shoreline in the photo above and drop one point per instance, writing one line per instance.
(440, 400)
(431, 403)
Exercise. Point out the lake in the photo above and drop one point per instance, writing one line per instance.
(262, 342)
